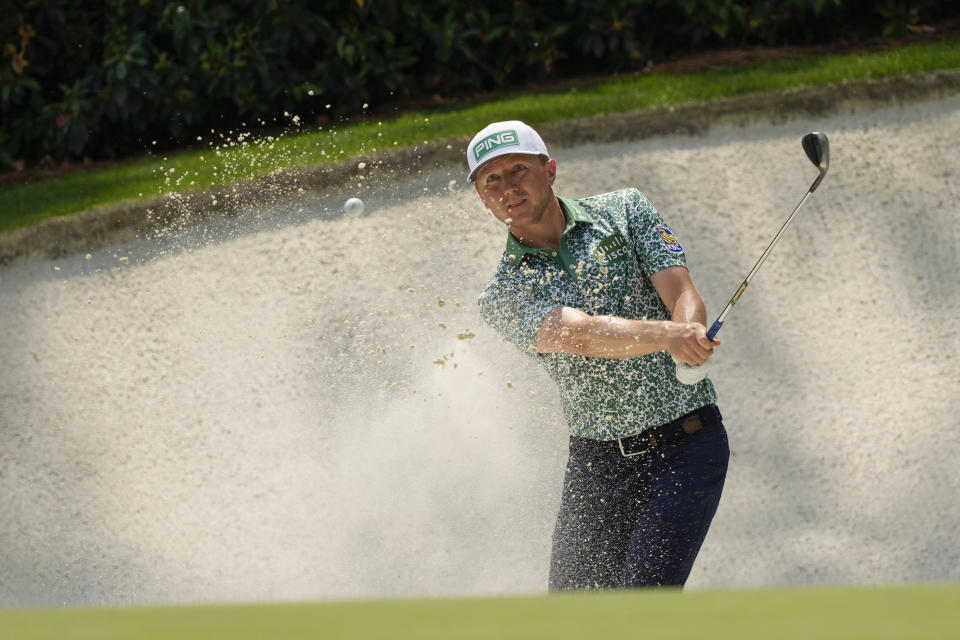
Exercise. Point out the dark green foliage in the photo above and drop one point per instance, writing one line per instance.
(107, 78)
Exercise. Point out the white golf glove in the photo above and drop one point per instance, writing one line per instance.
(688, 374)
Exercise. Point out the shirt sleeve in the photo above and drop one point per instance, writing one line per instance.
(515, 312)
(654, 243)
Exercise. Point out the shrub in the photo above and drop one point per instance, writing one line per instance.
(107, 78)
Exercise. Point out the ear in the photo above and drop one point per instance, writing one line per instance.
(551, 169)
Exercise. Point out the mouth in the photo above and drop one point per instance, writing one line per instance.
(513, 205)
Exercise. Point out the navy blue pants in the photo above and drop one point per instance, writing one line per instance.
(638, 521)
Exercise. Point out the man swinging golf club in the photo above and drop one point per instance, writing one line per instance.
(597, 290)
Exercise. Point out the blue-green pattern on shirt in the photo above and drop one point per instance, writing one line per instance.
(612, 243)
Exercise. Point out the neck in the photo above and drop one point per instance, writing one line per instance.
(547, 231)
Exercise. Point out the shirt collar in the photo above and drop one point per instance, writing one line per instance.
(573, 212)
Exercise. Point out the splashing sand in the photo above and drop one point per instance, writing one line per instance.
(252, 409)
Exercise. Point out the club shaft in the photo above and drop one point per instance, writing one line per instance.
(763, 257)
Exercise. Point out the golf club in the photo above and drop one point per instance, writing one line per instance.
(817, 148)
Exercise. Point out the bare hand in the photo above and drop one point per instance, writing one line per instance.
(688, 342)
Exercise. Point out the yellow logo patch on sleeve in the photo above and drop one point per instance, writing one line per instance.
(669, 240)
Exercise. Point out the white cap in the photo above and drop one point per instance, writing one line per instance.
(499, 139)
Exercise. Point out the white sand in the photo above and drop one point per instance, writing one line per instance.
(252, 411)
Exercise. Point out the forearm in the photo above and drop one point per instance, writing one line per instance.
(689, 307)
(572, 331)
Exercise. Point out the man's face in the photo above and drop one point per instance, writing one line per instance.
(517, 188)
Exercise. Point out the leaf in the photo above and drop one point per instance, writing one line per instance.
(495, 33)
(121, 70)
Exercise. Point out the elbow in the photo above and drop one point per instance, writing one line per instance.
(564, 330)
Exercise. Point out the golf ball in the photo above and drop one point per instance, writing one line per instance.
(353, 207)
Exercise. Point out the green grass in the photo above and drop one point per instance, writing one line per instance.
(918, 612)
(24, 205)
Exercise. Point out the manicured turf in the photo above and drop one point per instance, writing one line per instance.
(227, 157)
(918, 612)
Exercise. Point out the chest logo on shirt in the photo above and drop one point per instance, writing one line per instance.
(612, 249)
(669, 240)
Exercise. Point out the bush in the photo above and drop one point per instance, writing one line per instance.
(105, 79)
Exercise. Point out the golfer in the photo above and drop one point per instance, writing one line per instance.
(596, 289)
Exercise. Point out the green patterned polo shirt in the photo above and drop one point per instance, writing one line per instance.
(612, 243)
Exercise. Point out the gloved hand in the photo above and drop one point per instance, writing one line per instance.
(688, 374)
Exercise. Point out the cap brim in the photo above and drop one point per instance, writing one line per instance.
(473, 174)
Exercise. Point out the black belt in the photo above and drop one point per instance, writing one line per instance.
(657, 437)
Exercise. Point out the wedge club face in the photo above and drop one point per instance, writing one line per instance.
(817, 148)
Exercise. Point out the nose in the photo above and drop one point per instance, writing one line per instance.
(511, 181)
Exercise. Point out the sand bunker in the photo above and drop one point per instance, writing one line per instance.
(291, 404)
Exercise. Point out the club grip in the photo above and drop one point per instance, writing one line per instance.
(714, 329)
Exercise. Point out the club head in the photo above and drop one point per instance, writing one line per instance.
(817, 148)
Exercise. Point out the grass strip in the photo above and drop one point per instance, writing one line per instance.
(916, 612)
(232, 157)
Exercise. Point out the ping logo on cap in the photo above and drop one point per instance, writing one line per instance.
(495, 141)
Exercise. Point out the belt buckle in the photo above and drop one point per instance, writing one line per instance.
(653, 446)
